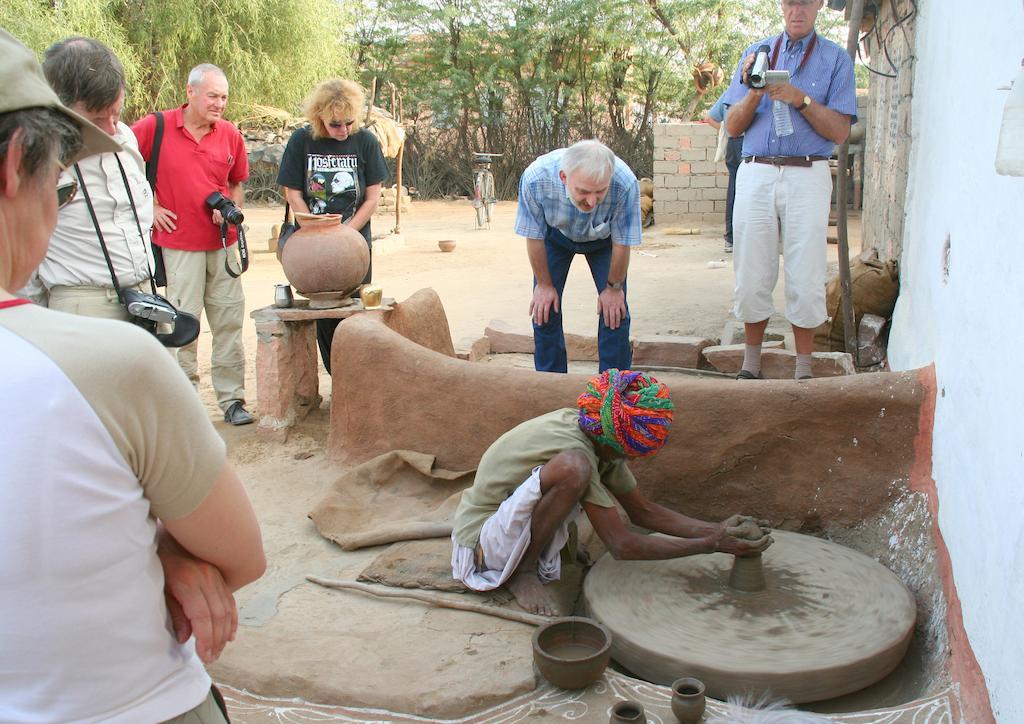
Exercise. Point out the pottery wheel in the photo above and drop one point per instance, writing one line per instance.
(830, 621)
(328, 300)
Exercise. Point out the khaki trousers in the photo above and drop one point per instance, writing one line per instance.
(100, 302)
(197, 280)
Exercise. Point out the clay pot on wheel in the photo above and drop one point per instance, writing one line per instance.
(688, 700)
(326, 256)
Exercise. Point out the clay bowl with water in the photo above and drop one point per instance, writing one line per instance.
(572, 652)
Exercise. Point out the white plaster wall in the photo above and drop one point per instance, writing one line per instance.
(970, 324)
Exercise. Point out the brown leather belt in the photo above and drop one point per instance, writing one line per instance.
(804, 161)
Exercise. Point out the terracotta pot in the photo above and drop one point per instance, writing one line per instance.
(572, 652)
(446, 245)
(688, 700)
(628, 712)
(326, 256)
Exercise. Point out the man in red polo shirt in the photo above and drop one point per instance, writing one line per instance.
(201, 153)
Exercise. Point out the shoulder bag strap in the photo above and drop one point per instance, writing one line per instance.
(154, 152)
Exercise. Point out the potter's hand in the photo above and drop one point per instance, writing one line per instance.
(545, 298)
(199, 601)
(747, 527)
(164, 219)
(741, 536)
(611, 304)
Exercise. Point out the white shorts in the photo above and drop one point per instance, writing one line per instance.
(504, 538)
(790, 202)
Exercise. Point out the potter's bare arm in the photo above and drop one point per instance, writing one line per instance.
(295, 200)
(624, 544)
(545, 296)
(647, 514)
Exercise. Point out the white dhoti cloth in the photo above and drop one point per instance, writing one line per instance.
(504, 538)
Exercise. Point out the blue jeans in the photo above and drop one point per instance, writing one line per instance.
(613, 346)
(733, 158)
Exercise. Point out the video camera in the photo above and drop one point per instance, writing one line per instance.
(756, 76)
(150, 310)
(231, 213)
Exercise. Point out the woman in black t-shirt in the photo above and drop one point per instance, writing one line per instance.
(333, 167)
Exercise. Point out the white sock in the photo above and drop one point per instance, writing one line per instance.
(803, 366)
(752, 358)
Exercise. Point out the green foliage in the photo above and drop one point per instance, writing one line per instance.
(521, 77)
(273, 51)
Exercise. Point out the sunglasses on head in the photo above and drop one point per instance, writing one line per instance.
(339, 124)
(65, 191)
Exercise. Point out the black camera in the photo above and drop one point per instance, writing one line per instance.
(231, 213)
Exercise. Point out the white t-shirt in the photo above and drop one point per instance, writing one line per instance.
(103, 432)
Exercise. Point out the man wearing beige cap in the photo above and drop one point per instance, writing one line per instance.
(124, 530)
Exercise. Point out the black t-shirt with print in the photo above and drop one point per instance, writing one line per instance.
(333, 175)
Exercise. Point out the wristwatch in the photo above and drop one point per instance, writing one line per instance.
(617, 286)
(803, 106)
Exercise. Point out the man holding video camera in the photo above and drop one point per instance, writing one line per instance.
(198, 154)
(793, 98)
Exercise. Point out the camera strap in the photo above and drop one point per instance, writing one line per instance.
(807, 53)
(243, 249)
(96, 226)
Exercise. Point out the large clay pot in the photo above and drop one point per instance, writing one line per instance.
(325, 256)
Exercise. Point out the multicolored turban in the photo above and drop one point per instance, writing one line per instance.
(630, 412)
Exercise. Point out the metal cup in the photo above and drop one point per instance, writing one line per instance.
(371, 296)
(283, 296)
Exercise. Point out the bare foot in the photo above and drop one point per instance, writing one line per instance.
(531, 594)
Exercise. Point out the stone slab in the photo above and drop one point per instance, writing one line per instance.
(778, 363)
(473, 349)
(669, 350)
(505, 339)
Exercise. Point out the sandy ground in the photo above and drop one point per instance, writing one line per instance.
(344, 648)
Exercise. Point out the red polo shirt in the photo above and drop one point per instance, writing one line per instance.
(188, 171)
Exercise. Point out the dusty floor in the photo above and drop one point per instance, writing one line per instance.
(346, 649)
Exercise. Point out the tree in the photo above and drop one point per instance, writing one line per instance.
(273, 51)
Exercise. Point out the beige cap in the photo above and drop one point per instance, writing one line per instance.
(23, 85)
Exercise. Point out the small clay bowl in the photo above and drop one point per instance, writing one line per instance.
(446, 245)
(572, 652)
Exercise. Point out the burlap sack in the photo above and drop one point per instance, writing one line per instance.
(875, 285)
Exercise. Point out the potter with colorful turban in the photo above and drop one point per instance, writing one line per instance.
(534, 480)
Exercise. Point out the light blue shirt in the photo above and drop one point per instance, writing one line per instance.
(718, 110)
(544, 203)
(827, 78)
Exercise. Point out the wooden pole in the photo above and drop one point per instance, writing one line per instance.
(433, 599)
(373, 99)
(398, 188)
(849, 318)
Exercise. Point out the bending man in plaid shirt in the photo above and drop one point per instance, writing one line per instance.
(579, 200)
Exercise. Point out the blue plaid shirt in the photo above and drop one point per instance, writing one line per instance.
(827, 78)
(544, 202)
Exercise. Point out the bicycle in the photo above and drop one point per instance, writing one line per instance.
(483, 188)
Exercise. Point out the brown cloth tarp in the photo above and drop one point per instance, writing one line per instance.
(398, 496)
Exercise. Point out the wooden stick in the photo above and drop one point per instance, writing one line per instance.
(433, 600)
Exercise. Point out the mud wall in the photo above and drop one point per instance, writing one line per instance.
(962, 269)
(824, 452)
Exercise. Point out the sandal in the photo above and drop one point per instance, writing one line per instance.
(747, 375)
